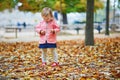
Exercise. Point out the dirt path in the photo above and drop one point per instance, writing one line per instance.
(32, 36)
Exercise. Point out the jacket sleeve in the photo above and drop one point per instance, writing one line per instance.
(38, 28)
(56, 27)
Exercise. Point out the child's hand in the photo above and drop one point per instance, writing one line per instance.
(53, 31)
(42, 32)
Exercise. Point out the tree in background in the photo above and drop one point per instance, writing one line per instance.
(89, 37)
(35, 5)
(27, 5)
(63, 6)
(68, 6)
(107, 17)
(7, 4)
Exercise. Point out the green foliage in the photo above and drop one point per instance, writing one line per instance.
(65, 6)
(73, 6)
(7, 4)
(76, 5)
(35, 5)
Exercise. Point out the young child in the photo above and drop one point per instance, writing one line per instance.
(47, 30)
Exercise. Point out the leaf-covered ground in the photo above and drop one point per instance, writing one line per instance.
(22, 61)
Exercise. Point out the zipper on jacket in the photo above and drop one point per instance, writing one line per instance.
(46, 36)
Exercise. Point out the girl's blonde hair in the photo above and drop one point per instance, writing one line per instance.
(46, 11)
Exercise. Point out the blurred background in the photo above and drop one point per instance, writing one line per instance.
(69, 14)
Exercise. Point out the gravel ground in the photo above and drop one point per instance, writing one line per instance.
(25, 36)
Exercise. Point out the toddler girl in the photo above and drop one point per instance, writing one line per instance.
(47, 30)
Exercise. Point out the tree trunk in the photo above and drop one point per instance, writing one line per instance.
(89, 35)
(64, 18)
(107, 18)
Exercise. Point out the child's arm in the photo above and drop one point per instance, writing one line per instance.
(39, 30)
(56, 28)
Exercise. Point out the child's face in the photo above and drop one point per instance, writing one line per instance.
(47, 18)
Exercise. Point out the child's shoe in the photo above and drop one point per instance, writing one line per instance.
(44, 63)
(55, 64)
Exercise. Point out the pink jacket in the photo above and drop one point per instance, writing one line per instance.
(47, 27)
